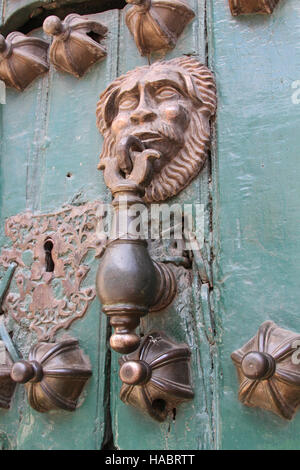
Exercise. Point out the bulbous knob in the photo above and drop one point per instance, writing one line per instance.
(124, 342)
(258, 366)
(25, 371)
(53, 26)
(135, 372)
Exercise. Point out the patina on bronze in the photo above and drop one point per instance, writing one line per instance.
(156, 377)
(268, 370)
(248, 7)
(157, 24)
(129, 283)
(156, 126)
(54, 375)
(22, 59)
(77, 43)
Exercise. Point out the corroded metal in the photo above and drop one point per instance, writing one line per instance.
(268, 370)
(44, 299)
(157, 24)
(77, 43)
(5, 282)
(22, 59)
(156, 377)
(54, 374)
(248, 7)
(156, 126)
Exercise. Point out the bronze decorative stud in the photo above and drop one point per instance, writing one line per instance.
(157, 24)
(156, 377)
(268, 370)
(156, 126)
(248, 7)
(77, 43)
(22, 59)
(54, 374)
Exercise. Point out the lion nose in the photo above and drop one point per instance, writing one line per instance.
(142, 114)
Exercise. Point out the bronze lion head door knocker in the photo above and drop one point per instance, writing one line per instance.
(156, 126)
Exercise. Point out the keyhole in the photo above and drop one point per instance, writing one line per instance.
(48, 246)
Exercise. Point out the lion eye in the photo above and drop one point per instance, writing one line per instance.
(166, 93)
(128, 102)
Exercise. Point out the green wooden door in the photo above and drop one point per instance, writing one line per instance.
(49, 153)
(256, 166)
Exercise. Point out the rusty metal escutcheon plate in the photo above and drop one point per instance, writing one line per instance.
(46, 301)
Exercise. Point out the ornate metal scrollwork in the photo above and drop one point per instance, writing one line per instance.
(54, 374)
(248, 7)
(268, 370)
(156, 126)
(156, 377)
(77, 43)
(22, 59)
(46, 297)
(157, 24)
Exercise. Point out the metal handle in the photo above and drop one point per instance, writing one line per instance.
(129, 283)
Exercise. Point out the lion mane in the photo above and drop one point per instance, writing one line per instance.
(188, 162)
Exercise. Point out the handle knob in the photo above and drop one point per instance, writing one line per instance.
(135, 372)
(258, 366)
(27, 371)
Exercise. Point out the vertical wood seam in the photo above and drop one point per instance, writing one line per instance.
(36, 157)
(215, 237)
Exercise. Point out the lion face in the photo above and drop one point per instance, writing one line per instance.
(168, 106)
